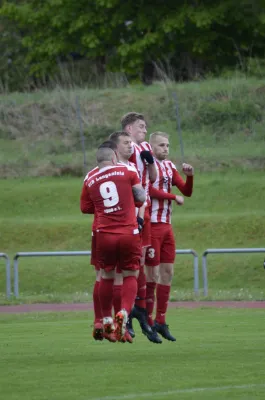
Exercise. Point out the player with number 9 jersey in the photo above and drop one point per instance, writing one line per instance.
(110, 190)
(111, 197)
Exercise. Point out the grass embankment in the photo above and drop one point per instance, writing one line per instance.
(218, 354)
(223, 130)
(222, 124)
(226, 210)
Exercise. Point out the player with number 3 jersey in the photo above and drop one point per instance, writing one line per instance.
(161, 254)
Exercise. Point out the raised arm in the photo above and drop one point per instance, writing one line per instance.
(152, 172)
(148, 159)
(184, 187)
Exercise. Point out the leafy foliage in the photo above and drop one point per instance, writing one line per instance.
(130, 36)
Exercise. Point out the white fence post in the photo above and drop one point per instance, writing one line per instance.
(8, 275)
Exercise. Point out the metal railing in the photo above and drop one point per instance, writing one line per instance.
(222, 251)
(8, 275)
(41, 254)
(86, 253)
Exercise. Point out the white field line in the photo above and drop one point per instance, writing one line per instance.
(181, 391)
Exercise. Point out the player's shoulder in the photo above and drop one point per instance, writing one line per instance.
(145, 146)
(170, 164)
(120, 168)
(91, 173)
(132, 164)
(129, 167)
(135, 148)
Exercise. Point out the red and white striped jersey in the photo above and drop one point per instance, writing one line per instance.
(160, 190)
(130, 164)
(141, 166)
(161, 209)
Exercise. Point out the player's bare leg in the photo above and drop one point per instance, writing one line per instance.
(162, 297)
(106, 296)
(98, 325)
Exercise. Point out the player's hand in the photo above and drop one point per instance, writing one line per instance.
(179, 200)
(147, 157)
(140, 222)
(187, 169)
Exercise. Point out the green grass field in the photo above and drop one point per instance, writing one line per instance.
(42, 214)
(52, 356)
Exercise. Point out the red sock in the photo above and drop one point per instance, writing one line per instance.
(162, 297)
(150, 300)
(96, 304)
(117, 298)
(128, 293)
(141, 293)
(106, 296)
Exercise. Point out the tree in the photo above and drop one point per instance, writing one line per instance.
(126, 36)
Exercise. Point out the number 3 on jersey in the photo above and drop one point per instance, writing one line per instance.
(151, 252)
(109, 193)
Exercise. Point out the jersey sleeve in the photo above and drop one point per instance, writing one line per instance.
(184, 187)
(86, 204)
(135, 180)
(160, 194)
(131, 164)
(146, 146)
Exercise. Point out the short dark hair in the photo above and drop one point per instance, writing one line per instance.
(104, 154)
(116, 135)
(130, 118)
(108, 144)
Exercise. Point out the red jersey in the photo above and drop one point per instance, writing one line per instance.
(160, 190)
(130, 164)
(85, 201)
(141, 166)
(109, 192)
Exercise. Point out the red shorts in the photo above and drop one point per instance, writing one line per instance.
(118, 250)
(146, 231)
(162, 249)
(93, 258)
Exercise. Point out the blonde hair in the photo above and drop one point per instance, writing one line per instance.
(154, 136)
